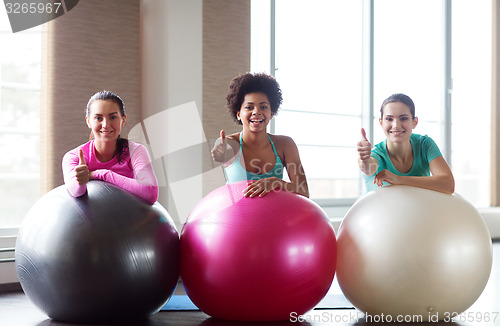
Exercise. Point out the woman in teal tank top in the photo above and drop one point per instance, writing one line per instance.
(253, 154)
(403, 158)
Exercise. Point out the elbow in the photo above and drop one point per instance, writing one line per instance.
(449, 191)
(78, 192)
(74, 188)
(152, 195)
(451, 186)
(306, 194)
(302, 188)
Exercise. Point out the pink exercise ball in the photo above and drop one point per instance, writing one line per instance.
(257, 259)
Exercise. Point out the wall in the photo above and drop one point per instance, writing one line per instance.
(226, 54)
(95, 46)
(190, 52)
(172, 73)
(495, 104)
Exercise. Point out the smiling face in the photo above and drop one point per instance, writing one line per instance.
(255, 112)
(397, 122)
(105, 120)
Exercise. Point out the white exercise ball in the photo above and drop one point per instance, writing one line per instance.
(406, 251)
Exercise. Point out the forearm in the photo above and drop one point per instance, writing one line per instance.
(69, 163)
(368, 166)
(146, 189)
(441, 183)
(74, 188)
(300, 188)
(223, 153)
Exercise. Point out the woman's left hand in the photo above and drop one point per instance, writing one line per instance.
(385, 176)
(262, 187)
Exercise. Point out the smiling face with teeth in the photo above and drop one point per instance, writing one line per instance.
(255, 112)
(397, 122)
(105, 120)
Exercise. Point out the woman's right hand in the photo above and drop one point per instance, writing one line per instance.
(364, 147)
(367, 164)
(220, 149)
(82, 172)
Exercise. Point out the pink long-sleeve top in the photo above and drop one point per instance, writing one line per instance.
(134, 173)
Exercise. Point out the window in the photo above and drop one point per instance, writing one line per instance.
(471, 100)
(19, 122)
(409, 58)
(336, 61)
(319, 72)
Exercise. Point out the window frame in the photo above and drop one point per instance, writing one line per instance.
(368, 62)
(8, 233)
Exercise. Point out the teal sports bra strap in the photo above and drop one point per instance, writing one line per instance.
(236, 172)
(272, 144)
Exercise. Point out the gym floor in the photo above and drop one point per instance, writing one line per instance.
(17, 310)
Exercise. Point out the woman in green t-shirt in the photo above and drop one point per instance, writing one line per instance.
(403, 158)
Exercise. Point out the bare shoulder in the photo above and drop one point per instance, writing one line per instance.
(284, 142)
(235, 136)
(233, 140)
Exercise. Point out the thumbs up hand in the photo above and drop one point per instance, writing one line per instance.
(364, 147)
(82, 173)
(82, 158)
(220, 150)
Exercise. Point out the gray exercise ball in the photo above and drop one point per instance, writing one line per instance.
(104, 257)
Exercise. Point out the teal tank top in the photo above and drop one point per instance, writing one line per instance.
(236, 172)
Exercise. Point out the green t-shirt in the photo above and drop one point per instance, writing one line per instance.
(424, 151)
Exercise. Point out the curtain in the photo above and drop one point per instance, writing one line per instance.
(94, 46)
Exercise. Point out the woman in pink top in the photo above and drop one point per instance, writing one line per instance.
(107, 156)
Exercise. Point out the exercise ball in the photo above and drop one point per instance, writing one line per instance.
(405, 251)
(104, 257)
(256, 259)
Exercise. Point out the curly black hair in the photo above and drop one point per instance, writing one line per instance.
(252, 83)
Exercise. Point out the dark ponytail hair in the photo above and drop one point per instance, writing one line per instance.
(121, 143)
(402, 98)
